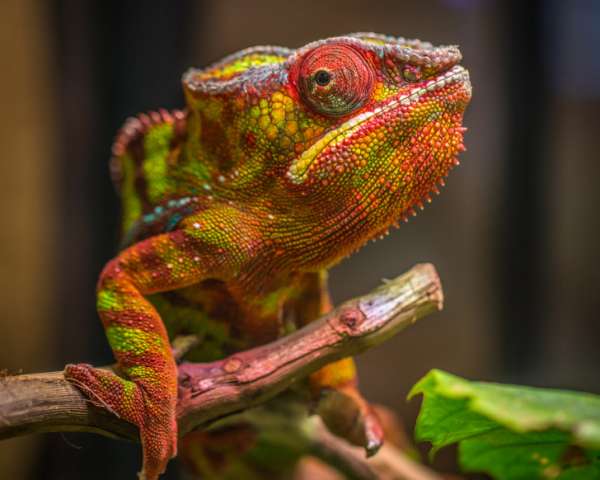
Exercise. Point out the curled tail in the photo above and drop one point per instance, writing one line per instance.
(144, 152)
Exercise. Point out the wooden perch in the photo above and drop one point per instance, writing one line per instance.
(45, 402)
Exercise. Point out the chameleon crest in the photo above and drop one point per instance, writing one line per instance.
(282, 162)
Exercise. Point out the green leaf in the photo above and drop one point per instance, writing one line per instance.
(511, 432)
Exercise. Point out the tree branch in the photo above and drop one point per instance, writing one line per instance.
(45, 402)
(390, 463)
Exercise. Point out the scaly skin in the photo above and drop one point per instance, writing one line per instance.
(284, 162)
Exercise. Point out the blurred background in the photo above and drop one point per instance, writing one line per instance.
(514, 234)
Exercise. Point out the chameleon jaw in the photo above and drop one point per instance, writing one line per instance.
(300, 167)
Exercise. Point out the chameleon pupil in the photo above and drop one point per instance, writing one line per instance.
(322, 78)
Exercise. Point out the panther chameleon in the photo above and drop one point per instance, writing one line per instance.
(282, 163)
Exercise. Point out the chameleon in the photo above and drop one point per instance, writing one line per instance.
(282, 163)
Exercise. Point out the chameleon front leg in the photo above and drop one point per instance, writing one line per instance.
(147, 396)
(340, 403)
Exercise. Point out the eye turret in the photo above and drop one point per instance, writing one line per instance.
(335, 80)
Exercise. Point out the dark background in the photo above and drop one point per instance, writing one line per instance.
(514, 235)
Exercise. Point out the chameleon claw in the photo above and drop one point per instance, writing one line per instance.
(348, 415)
(372, 447)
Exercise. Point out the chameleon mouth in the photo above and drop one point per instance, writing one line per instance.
(456, 78)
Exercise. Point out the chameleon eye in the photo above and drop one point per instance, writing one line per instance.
(335, 80)
(322, 77)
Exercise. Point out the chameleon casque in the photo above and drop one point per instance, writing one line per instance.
(282, 163)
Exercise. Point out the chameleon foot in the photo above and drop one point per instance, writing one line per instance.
(348, 415)
(150, 409)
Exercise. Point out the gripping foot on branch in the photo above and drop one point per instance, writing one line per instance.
(153, 414)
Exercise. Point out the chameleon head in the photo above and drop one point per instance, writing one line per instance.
(361, 127)
(396, 107)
